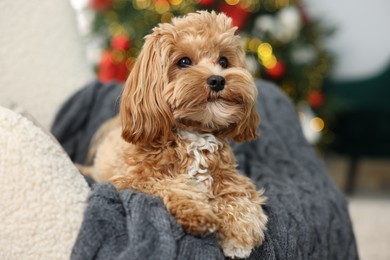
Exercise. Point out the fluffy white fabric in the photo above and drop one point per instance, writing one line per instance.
(42, 195)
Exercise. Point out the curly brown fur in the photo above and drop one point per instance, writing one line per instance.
(173, 142)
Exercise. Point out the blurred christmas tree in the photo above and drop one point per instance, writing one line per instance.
(283, 43)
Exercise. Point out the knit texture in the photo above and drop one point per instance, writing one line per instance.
(308, 216)
(81, 115)
(131, 225)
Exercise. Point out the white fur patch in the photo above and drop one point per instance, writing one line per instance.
(232, 249)
(199, 144)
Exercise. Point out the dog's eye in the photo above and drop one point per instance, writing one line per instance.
(184, 62)
(223, 62)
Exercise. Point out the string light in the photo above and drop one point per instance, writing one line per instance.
(250, 5)
(317, 124)
(232, 2)
(264, 50)
(141, 4)
(266, 56)
(253, 44)
(175, 2)
(162, 7)
(116, 29)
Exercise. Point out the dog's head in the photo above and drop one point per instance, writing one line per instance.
(190, 75)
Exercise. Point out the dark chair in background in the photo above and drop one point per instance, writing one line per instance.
(361, 123)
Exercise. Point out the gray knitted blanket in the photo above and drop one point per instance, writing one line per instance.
(308, 216)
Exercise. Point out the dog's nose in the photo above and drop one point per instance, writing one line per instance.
(216, 83)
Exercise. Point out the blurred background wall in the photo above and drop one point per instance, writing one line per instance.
(358, 85)
(361, 42)
(42, 58)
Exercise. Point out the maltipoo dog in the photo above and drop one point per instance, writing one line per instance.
(187, 95)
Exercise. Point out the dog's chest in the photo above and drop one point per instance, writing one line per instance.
(203, 151)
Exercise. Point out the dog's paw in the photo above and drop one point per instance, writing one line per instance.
(244, 232)
(197, 222)
(233, 250)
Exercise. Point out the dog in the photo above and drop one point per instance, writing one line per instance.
(187, 95)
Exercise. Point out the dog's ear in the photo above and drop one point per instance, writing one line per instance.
(145, 115)
(246, 130)
(248, 127)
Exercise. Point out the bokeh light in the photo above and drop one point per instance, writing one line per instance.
(317, 124)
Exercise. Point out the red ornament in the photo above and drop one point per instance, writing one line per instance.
(100, 5)
(316, 99)
(238, 14)
(277, 71)
(106, 69)
(120, 43)
(206, 2)
(122, 72)
(110, 70)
